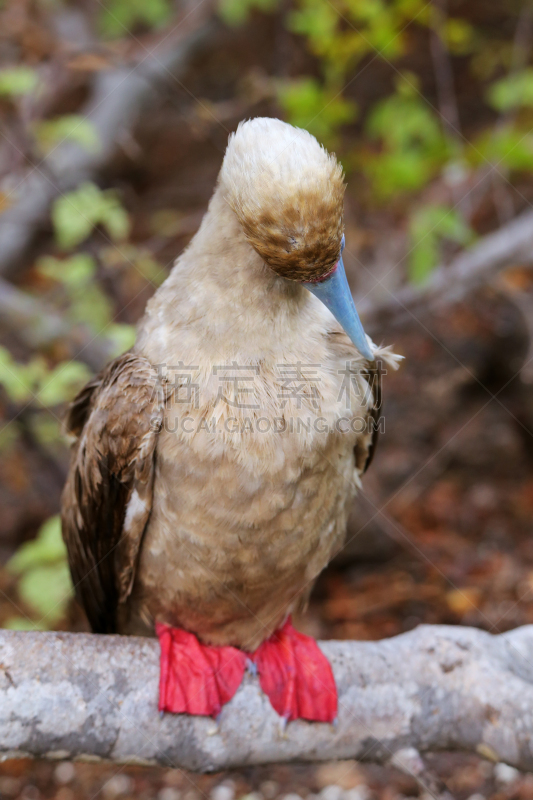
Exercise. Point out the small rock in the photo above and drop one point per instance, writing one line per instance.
(64, 794)
(30, 792)
(252, 796)
(64, 772)
(168, 793)
(269, 789)
(291, 796)
(408, 760)
(9, 787)
(361, 792)
(476, 796)
(118, 784)
(485, 769)
(173, 777)
(332, 792)
(224, 791)
(346, 774)
(504, 773)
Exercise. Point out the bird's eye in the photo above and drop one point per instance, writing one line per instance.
(342, 243)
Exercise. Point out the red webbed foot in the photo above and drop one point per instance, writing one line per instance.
(296, 676)
(195, 678)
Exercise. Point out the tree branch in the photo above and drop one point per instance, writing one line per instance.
(510, 244)
(38, 327)
(117, 100)
(66, 695)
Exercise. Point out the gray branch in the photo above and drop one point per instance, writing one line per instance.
(119, 97)
(510, 244)
(65, 695)
(37, 327)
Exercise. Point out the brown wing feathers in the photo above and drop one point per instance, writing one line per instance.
(366, 446)
(107, 498)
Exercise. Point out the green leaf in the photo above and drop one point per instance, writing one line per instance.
(235, 12)
(47, 590)
(76, 214)
(404, 119)
(428, 227)
(46, 429)
(149, 268)
(70, 127)
(11, 378)
(24, 624)
(121, 336)
(88, 303)
(318, 21)
(423, 260)
(413, 146)
(459, 36)
(77, 270)
(17, 81)
(20, 380)
(410, 10)
(8, 436)
(121, 16)
(393, 173)
(514, 91)
(115, 219)
(310, 106)
(44, 583)
(63, 382)
(91, 306)
(47, 548)
(509, 147)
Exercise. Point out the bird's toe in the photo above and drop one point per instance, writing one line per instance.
(196, 678)
(296, 676)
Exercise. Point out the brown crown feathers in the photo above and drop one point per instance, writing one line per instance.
(288, 194)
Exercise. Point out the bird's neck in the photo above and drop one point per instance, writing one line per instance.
(222, 299)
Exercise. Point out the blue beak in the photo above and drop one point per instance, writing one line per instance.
(335, 293)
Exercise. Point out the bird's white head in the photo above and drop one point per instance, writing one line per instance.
(288, 194)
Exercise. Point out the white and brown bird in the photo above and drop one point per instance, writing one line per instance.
(215, 463)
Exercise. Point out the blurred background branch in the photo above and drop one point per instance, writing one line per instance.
(117, 98)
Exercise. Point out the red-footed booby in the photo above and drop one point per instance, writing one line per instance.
(215, 463)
